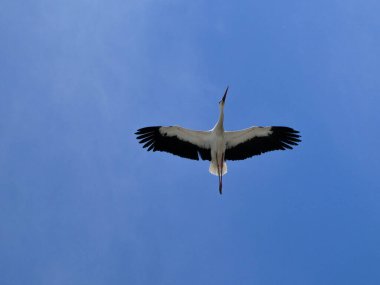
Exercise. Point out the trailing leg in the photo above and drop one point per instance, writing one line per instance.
(219, 175)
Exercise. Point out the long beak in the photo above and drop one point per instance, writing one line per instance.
(225, 94)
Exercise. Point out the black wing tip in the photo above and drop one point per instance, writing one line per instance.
(285, 129)
(288, 137)
(146, 136)
(147, 130)
(288, 133)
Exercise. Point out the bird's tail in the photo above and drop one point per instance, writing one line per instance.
(214, 168)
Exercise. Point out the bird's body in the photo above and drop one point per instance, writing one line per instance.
(217, 145)
(218, 165)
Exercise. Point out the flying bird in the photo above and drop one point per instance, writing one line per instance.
(218, 145)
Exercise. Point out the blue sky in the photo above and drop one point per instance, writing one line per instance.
(82, 203)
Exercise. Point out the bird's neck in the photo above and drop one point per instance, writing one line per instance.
(219, 124)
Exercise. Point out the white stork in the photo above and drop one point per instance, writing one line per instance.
(218, 145)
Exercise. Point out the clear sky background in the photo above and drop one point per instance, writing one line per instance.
(82, 203)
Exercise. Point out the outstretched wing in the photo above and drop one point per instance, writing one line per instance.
(257, 140)
(176, 140)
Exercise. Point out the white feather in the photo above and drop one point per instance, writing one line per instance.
(198, 138)
(233, 138)
(214, 168)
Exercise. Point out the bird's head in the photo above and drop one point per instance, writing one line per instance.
(221, 102)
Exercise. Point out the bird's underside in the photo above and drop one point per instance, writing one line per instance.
(217, 145)
(238, 145)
